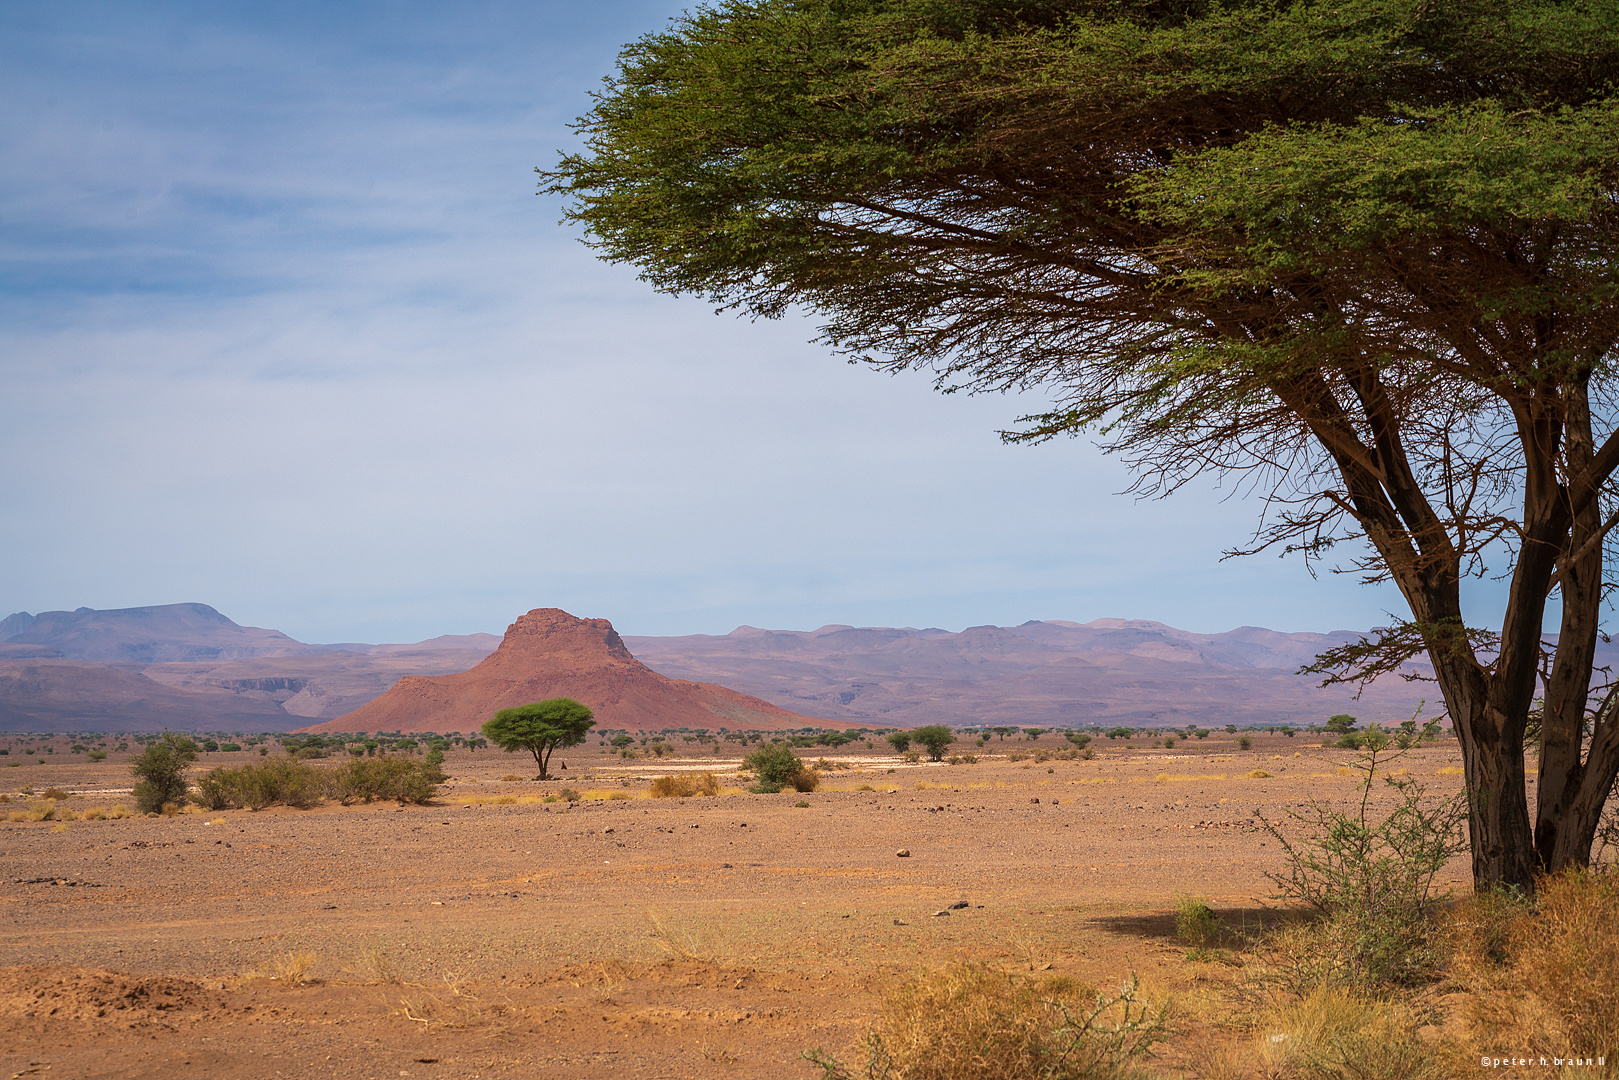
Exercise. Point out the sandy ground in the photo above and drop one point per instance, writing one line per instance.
(497, 935)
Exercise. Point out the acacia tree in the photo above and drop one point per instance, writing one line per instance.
(1359, 253)
(935, 738)
(540, 727)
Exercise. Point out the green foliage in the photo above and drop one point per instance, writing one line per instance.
(776, 767)
(276, 781)
(1371, 881)
(397, 778)
(540, 728)
(1244, 743)
(934, 738)
(1196, 924)
(1342, 724)
(900, 741)
(160, 772)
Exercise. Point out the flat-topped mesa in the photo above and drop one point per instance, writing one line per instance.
(548, 653)
(552, 636)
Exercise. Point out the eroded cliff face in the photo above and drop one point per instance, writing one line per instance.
(549, 653)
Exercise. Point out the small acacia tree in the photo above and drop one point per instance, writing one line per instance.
(900, 741)
(935, 737)
(160, 772)
(539, 728)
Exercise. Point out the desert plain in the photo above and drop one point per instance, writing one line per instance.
(497, 934)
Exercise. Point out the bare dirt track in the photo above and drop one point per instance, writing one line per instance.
(494, 934)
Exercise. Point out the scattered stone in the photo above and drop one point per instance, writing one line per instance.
(1034, 800)
(940, 914)
(901, 922)
(903, 853)
(959, 904)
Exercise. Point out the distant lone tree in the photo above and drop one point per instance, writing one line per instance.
(778, 767)
(539, 728)
(900, 741)
(1342, 724)
(160, 772)
(935, 737)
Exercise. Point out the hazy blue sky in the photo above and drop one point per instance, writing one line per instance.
(285, 329)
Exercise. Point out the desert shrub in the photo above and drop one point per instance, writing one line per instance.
(44, 810)
(776, 766)
(213, 790)
(160, 772)
(282, 781)
(55, 794)
(1371, 882)
(397, 778)
(683, 787)
(1245, 743)
(97, 755)
(569, 794)
(805, 780)
(970, 1022)
(1017, 755)
(1196, 924)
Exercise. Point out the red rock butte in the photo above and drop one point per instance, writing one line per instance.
(549, 653)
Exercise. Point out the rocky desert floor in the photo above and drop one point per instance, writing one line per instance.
(493, 934)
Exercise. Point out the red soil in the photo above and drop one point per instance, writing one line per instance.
(549, 653)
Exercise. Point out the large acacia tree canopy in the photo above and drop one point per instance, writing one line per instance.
(1362, 252)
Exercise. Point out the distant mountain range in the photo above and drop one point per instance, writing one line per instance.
(1041, 674)
(187, 666)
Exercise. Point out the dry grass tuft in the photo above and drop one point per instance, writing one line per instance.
(1544, 977)
(378, 965)
(970, 1022)
(37, 811)
(684, 786)
(684, 944)
(291, 969)
(118, 812)
(1333, 1032)
(457, 1007)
